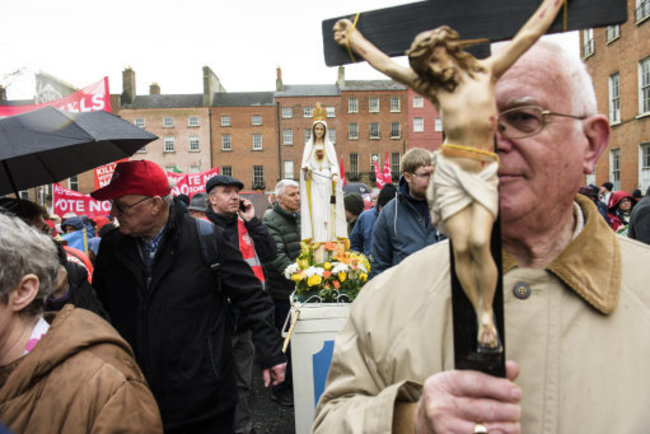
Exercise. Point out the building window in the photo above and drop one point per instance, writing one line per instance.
(73, 184)
(394, 104)
(287, 137)
(330, 112)
(642, 9)
(614, 98)
(225, 121)
(307, 112)
(353, 131)
(373, 105)
(644, 166)
(418, 102)
(437, 124)
(374, 130)
(226, 142)
(331, 133)
(613, 33)
(168, 122)
(644, 85)
(192, 121)
(195, 168)
(394, 163)
(588, 42)
(288, 169)
(258, 177)
(373, 158)
(256, 120)
(395, 130)
(168, 144)
(287, 112)
(194, 144)
(353, 105)
(139, 122)
(226, 170)
(615, 168)
(257, 142)
(354, 165)
(142, 150)
(418, 125)
(307, 134)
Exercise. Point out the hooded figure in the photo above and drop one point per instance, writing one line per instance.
(620, 208)
(321, 195)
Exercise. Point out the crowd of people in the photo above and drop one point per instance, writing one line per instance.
(154, 321)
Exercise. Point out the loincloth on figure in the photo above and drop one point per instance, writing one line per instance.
(452, 188)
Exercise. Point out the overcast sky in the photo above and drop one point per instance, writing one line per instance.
(168, 42)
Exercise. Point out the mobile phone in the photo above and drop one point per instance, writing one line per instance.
(241, 205)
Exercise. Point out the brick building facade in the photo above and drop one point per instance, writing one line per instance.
(618, 58)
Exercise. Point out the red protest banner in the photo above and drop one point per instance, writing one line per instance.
(191, 183)
(103, 174)
(65, 201)
(95, 97)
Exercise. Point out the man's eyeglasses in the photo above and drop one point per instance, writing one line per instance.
(526, 121)
(422, 175)
(120, 207)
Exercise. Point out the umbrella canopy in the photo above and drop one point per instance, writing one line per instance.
(356, 187)
(48, 145)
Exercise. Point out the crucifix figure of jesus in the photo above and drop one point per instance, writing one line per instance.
(463, 192)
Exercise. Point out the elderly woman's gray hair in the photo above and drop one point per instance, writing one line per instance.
(24, 250)
(283, 184)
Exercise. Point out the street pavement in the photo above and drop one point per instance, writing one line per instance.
(269, 417)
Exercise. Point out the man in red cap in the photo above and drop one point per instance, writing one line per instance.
(166, 302)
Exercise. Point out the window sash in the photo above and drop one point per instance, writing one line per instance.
(394, 104)
(287, 137)
(287, 112)
(193, 121)
(168, 122)
(225, 121)
(168, 144)
(373, 105)
(226, 142)
(395, 130)
(353, 131)
(353, 105)
(256, 120)
(257, 142)
(374, 130)
(194, 143)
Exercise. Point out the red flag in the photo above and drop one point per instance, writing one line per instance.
(342, 170)
(387, 175)
(379, 177)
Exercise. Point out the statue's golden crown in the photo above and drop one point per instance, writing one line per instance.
(319, 113)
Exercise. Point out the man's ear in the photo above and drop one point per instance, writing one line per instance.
(596, 130)
(24, 292)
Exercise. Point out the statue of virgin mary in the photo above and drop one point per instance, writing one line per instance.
(322, 214)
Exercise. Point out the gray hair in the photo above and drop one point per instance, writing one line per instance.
(582, 95)
(24, 250)
(282, 185)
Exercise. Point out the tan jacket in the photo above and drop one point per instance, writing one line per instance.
(581, 339)
(80, 378)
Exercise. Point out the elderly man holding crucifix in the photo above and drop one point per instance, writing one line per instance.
(576, 305)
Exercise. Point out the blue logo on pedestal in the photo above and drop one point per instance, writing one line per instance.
(321, 365)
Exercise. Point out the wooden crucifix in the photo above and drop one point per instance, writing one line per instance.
(463, 190)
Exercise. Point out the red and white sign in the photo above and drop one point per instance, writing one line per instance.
(95, 97)
(191, 183)
(65, 201)
(103, 174)
(384, 177)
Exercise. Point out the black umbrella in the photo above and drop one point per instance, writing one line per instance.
(356, 187)
(48, 145)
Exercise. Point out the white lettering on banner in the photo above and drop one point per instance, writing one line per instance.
(98, 102)
(95, 206)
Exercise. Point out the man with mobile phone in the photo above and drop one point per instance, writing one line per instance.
(236, 216)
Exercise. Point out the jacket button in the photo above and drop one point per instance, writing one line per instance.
(521, 290)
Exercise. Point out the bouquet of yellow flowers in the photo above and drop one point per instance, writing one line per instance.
(338, 278)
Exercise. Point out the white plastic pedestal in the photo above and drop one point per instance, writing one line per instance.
(312, 345)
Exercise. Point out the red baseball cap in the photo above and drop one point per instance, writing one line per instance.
(140, 177)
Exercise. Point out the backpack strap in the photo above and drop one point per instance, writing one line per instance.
(207, 234)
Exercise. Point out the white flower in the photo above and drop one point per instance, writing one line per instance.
(314, 270)
(290, 270)
(340, 267)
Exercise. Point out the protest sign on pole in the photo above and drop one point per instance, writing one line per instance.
(65, 201)
(191, 183)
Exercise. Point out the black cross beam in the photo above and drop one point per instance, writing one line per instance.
(392, 29)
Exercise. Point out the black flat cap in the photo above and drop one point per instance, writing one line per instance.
(222, 180)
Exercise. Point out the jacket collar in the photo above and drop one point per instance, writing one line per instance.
(591, 263)
(284, 213)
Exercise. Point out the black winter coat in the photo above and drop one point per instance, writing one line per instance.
(175, 318)
(285, 230)
(80, 293)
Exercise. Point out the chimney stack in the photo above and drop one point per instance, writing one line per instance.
(128, 86)
(211, 85)
(340, 79)
(154, 89)
(3, 94)
(279, 86)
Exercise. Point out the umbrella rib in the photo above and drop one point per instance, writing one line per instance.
(38, 157)
(11, 178)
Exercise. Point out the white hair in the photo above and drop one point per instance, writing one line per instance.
(282, 185)
(24, 250)
(582, 95)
